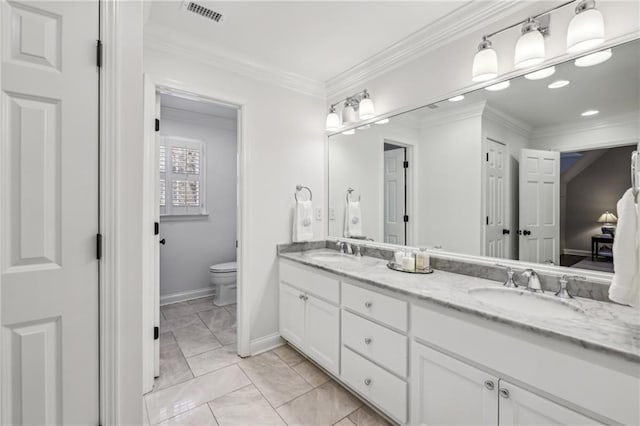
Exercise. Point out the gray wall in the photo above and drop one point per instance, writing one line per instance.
(194, 244)
(596, 189)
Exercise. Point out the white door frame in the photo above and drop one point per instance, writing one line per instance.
(165, 84)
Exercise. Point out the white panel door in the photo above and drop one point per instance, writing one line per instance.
(322, 333)
(495, 191)
(539, 206)
(446, 391)
(520, 407)
(292, 315)
(394, 196)
(49, 213)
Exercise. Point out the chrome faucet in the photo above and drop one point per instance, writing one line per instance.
(563, 293)
(509, 283)
(344, 247)
(533, 282)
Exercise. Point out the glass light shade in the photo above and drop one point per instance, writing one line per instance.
(539, 75)
(590, 112)
(367, 110)
(383, 121)
(558, 84)
(485, 65)
(456, 98)
(349, 132)
(348, 115)
(594, 58)
(529, 50)
(586, 31)
(333, 122)
(607, 217)
(498, 86)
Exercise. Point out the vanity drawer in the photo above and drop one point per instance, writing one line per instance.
(381, 345)
(317, 283)
(379, 307)
(380, 387)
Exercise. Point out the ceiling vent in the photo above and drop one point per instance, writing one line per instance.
(203, 11)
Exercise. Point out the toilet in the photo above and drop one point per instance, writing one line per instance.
(223, 277)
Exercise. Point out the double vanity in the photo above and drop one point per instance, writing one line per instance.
(447, 348)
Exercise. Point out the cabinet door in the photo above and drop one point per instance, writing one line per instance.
(521, 407)
(322, 333)
(292, 307)
(446, 391)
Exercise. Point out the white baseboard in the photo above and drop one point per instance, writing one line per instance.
(266, 343)
(577, 252)
(186, 295)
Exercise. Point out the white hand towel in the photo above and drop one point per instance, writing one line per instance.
(625, 286)
(302, 222)
(353, 219)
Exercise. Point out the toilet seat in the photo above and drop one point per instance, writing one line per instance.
(223, 267)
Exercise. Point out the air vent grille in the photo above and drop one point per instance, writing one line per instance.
(204, 11)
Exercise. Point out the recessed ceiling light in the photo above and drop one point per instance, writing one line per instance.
(558, 84)
(540, 74)
(593, 59)
(498, 86)
(383, 121)
(349, 132)
(590, 112)
(456, 98)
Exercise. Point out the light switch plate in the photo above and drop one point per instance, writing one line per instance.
(319, 214)
(332, 214)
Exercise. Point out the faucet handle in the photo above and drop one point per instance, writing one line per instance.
(510, 283)
(562, 292)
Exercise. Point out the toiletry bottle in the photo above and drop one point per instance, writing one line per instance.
(409, 262)
(422, 260)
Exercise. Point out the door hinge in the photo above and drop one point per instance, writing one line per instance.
(405, 164)
(99, 53)
(156, 333)
(157, 124)
(99, 246)
(487, 220)
(236, 243)
(406, 218)
(156, 228)
(487, 156)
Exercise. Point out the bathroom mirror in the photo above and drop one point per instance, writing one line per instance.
(529, 170)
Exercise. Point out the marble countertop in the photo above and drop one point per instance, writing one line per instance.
(605, 327)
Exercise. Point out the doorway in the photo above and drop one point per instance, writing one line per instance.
(192, 269)
(396, 217)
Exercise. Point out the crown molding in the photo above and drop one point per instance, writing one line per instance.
(465, 20)
(440, 118)
(627, 119)
(508, 121)
(165, 40)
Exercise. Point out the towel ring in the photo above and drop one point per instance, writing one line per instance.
(300, 188)
(349, 191)
(634, 176)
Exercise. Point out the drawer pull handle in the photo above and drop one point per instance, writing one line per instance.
(367, 340)
(504, 393)
(489, 384)
(368, 305)
(367, 382)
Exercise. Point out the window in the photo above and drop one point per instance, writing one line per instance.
(182, 184)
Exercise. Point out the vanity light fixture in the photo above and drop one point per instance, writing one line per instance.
(586, 29)
(530, 46)
(333, 120)
(558, 84)
(590, 112)
(383, 121)
(540, 74)
(456, 98)
(367, 110)
(348, 113)
(349, 132)
(593, 58)
(498, 86)
(355, 107)
(485, 63)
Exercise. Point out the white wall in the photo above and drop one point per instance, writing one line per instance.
(284, 145)
(195, 243)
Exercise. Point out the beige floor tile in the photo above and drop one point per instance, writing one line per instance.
(324, 405)
(173, 367)
(186, 396)
(195, 340)
(180, 322)
(204, 304)
(213, 360)
(288, 355)
(176, 310)
(345, 422)
(312, 374)
(227, 336)
(365, 416)
(218, 319)
(275, 379)
(245, 406)
(200, 416)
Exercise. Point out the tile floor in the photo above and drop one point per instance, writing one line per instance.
(203, 382)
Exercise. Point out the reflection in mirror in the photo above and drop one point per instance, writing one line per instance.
(528, 170)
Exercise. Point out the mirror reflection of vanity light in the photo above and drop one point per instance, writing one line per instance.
(349, 132)
(498, 86)
(456, 98)
(383, 121)
(590, 112)
(593, 59)
(365, 127)
(558, 84)
(539, 75)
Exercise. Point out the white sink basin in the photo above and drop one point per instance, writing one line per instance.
(524, 301)
(331, 257)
